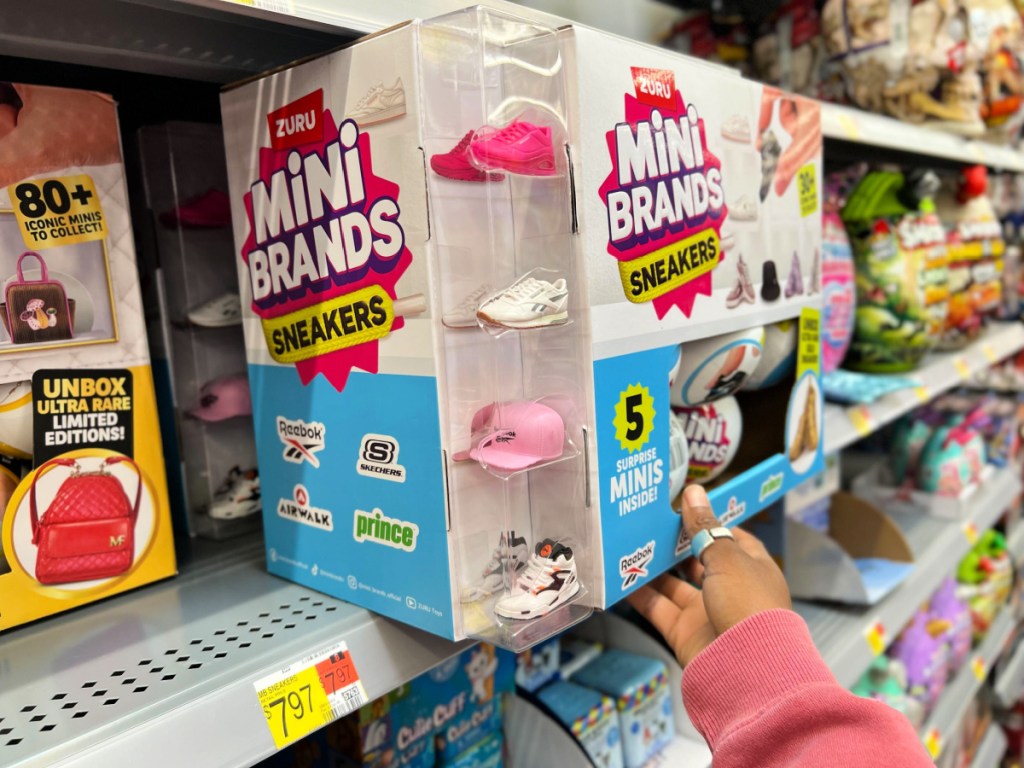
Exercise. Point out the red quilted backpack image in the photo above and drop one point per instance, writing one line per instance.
(88, 531)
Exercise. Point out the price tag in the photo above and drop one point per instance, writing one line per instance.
(962, 368)
(860, 418)
(310, 693)
(850, 127)
(922, 394)
(876, 637)
(971, 533)
(933, 743)
(989, 352)
(58, 211)
(978, 668)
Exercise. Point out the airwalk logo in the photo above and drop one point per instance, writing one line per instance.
(302, 440)
(299, 510)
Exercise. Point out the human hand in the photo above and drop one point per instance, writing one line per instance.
(739, 579)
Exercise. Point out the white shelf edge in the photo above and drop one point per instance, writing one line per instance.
(848, 654)
(990, 751)
(940, 372)
(949, 712)
(1015, 544)
(1009, 683)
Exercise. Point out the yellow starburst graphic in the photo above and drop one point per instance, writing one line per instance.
(634, 417)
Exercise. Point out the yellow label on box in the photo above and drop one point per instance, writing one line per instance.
(807, 186)
(809, 346)
(654, 274)
(58, 211)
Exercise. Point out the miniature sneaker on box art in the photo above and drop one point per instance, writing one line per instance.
(743, 291)
(769, 281)
(239, 496)
(220, 312)
(528, 303)
(548, 580)
(520, 147)
(379, 104)
(502, 570)
(736, 128)
(464, 314)
(795, 281)
(744, 209)
(456, 164)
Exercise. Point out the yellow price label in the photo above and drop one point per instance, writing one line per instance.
(933, 743)
(850, 127)
(922, 394)
(876, 637)
(860, 418)
(979, 668)
(807, 186)
(57, 211)
(971, 533)
(634, 417)
(962, 368)
(989, 352)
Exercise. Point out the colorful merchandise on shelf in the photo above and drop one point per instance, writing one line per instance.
(85, 511)
(946, 606)
(590, 717)
(789, 50)
(900, 254)
(539, 665)
(975, 247)
(886, 680)
(575, 654)
(986, 577)
(839, 301)
(612, 220)
(994, 29)
(778, 356)
(952, 459)
(926, 658)
(908, 438)
(717, 367)
(639, 688)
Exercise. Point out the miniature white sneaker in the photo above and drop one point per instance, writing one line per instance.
(464, 315)
(548, 580)
(744, 209)
(502, 570)
(239, 496)
(379, 104)
(528, 303)
(220, 312)
(743, 291)
(736, 128)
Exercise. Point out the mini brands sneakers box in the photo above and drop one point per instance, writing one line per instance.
(590, 717)
(467, 263)
(83, 499)
(639, 688)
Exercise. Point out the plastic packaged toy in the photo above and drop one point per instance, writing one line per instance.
(947, 606)
(926, 658)
(952, 459)
(886, 680)
(985, 576)
(591, 718)
(839, 300)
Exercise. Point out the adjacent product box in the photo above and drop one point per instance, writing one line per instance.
(469, 250)
(83, 496)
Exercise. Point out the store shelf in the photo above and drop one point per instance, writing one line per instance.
(1009, 685)
(1015, 543)
(849, 124)
(842, 634)
(991, 749)
(949, 712)
(939, 373)
(164, 676)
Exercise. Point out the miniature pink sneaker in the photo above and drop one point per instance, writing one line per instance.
(520, 147)
(455, 164)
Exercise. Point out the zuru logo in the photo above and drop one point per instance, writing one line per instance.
(297, 123)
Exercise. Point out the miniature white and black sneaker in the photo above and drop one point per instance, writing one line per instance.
(464, 315)
(220, 312)
(527, 303)
(238, 496)
(548, 580)
(502, 570)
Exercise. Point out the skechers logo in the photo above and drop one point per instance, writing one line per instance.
(302, 440)
(377, 527)
(634, 565)
(297, 123)
(378, 457)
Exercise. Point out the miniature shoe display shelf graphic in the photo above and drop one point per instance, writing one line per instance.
(548, 581)
(743, 291)
(529, 302)
(379, 104)
(520, 148)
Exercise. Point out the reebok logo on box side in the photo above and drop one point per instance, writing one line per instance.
(634, 565)
(302, 439)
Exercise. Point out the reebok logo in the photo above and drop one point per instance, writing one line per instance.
(378, 457)
(302, 439)
(297, 123)
(634, 565)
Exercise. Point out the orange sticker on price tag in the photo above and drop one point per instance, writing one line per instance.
(876, 637)
(962, 368)
(971, 532)
(933, 743)
(310, 693)
(978, 668)
(860, 418)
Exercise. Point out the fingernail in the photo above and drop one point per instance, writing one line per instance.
(695, 496)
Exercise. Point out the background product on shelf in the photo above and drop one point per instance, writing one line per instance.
(591, 717)
(608, 270)
(85, 510)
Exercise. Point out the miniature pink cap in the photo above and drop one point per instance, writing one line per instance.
(224, 398)
(523, 433)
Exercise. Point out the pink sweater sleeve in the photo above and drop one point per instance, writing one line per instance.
(761, 695)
